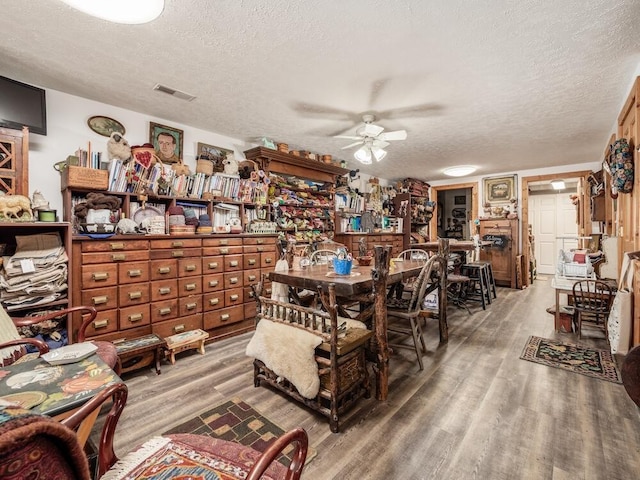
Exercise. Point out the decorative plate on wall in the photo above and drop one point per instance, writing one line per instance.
(105, 126)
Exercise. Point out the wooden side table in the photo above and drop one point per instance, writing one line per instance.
(140, 352)
(193, 339)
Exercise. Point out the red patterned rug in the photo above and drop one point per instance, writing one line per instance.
(238, 422)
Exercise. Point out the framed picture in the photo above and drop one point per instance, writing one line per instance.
(500, 189)
(105, 126)
(459, 200)
(167, 142)
(459, 213)
(217, 154)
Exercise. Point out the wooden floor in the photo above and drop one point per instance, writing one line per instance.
(476, 411)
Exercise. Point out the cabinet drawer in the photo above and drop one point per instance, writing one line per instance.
(213, 283)
(259, 248)
(260, 240)
(101, 298)
(133, 272)
(232, 263)
(167, 268)
(248, 294)
(223, 250)
(115, 245)
(213, 301)
(178, 325)
(105, 322)
(224, 316)
(102, 275)
(115, 256)
(175, 243)
(250, 310)
(251, 260)
(221, 241)
(233, 280)
(268, 259)
(233, 296)
(134, 294)
(189, 286)
(176, 253)
(189, 267)
(212, 264)
(189, 305)
(251, 277)
(134, 316)
(164, 289)
(164, 310)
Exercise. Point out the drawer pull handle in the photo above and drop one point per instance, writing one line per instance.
(179, 328)
(165, 311)
(163, 270)
(97, 276)
(177, 244)
(177, 253)
(224, 242)
(224, 317)
(252, 261)
(252, 278)
(136, 317)
(190, 286)
(233, 263)
(268, 292)
(118, 257)
(99, 300)
(261, 249)
(234, 297)
(134, 273)
(135, 295)
(164, 290)
(214, 283)
(260, 241)
(268, 260)
(117, 246)
(214, 301)
(190, 268)
(191, 306)
(251, 294)
(213, 265)
(233, 280)
(98, 324)
(224, 251)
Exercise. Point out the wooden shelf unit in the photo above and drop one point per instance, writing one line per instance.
(503, 254)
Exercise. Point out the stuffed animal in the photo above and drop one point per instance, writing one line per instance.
(126, 225)
(118, 147)
(230, 165)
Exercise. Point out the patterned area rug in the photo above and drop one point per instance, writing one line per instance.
(238, 422)
(593, 363)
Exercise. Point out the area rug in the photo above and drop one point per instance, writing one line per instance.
(575, 358)
(238, 422)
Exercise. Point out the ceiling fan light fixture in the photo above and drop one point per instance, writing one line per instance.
(120, 11)
(378, 153)
(459, 171)
(363, 155)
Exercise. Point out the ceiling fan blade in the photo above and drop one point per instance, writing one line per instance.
(348, 137)
(380, 143)
(371, 130)
(352, 145)
(397, 135)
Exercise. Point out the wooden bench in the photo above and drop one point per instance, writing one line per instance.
(340, 357)
(139, 352)
(180, 342)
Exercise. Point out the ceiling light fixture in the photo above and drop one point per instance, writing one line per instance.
(366, 154)
(459, 171)
(120, 11)
(558, 184)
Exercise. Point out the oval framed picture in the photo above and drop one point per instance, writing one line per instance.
(105, 126)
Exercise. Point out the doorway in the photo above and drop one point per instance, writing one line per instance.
(456, 208)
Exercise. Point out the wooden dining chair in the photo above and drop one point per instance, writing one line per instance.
(592, 300)
(36, 446)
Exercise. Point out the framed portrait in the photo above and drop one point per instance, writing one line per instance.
(500, 189)
(167, 142)
(105, 126)
(459, 200)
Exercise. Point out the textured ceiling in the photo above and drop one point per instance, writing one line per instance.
(501, 84)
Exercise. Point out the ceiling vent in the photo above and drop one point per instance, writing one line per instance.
(173, 92)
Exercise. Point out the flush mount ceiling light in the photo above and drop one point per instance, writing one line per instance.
(120, 11)
(459, 171)
(558, 184)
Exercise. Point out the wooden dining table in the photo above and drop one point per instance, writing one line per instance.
(365, 284)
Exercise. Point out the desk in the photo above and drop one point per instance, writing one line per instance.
(56, 390)
(365, 284)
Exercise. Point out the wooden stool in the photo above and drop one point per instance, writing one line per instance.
(140, 352)
(193, 339)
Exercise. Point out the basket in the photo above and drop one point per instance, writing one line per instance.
(580, 270)
(204, 165)
(342, 267)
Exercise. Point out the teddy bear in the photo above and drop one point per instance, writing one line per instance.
(118, 147)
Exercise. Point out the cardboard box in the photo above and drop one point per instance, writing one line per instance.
(81, 177)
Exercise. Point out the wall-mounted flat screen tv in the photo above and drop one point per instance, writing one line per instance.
(22, 105)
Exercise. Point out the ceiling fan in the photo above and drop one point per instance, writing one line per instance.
(373, 139)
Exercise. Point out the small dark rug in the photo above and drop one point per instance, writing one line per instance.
(238, 422)
(586, 361)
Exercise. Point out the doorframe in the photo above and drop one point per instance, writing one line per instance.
(584, 227)
(433, 225)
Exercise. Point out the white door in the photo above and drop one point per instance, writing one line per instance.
(552, 215)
